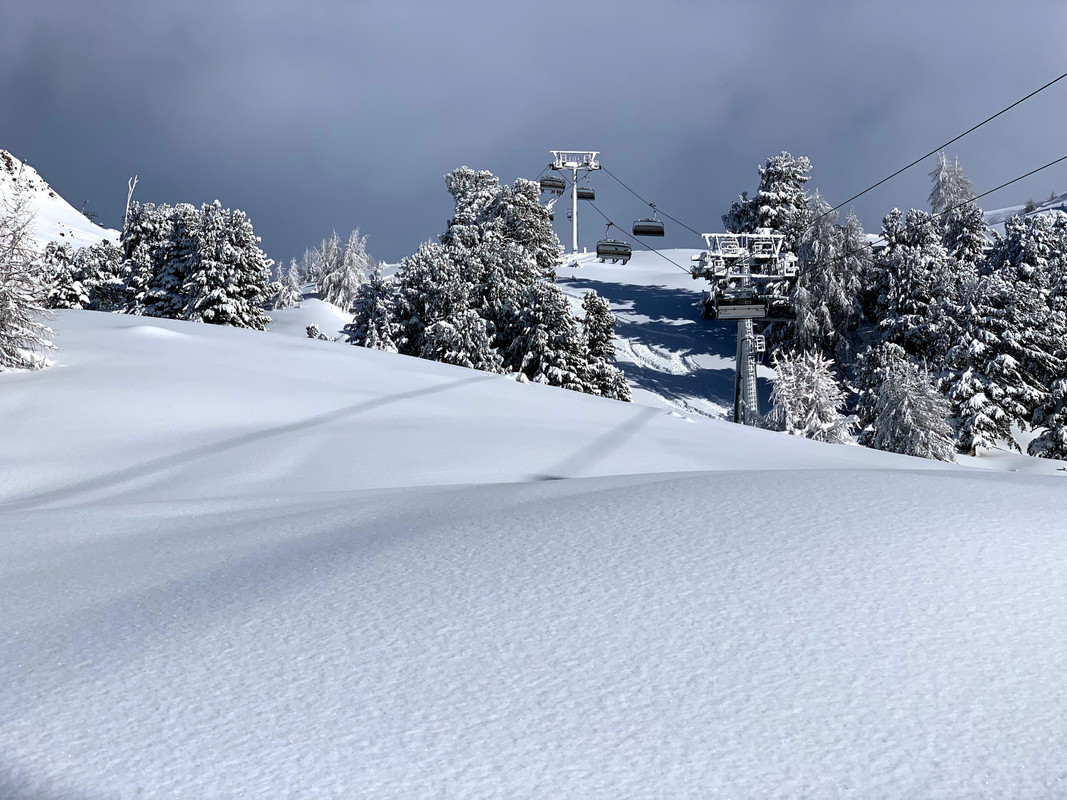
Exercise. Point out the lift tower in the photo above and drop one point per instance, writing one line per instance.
(574, 160)
(751, 278)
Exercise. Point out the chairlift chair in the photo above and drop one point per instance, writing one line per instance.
(586, 193)
(553, 183)
(613, 249)
(648, 227)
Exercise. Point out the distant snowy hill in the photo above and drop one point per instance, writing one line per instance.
(56, 219)
(998, 216)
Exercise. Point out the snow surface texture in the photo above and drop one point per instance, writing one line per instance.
(249, 564)
(56, 219)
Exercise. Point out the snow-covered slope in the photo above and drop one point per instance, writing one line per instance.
(55, 218)
(997, 217)
(246, 564)
(672, 358)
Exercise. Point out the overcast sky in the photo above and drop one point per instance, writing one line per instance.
(316, 116)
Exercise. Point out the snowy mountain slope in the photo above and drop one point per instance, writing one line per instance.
(671, 357)
(55, 218)
(997, 217)
(249, 564)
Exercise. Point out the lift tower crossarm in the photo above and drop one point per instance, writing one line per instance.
(574, 160)
(743, 269)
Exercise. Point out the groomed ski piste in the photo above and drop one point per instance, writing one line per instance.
(253, 564)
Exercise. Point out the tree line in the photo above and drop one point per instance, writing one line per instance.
(941, 339)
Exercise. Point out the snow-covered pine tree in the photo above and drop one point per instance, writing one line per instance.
(598, 328)
(434, 315)
(231, 280)
(994, 361)
(174, 258)
(780, 202)
(518, 216)
(914, 272)
(99, 268)
(872, 367)
(807, 400)
(289, 293)
(311, 266)
(910, 415)
(342, 279)
(65, 290)
(966, 236)
(327, 261)
(1025, 252)
(145, 239)
(951, 186)
(23, 337)
(827, 297)
(550, 345)
(373, 324)
(501, 241)
(1052, 416)
(474, 192)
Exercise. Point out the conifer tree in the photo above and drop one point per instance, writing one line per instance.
(99, 269)
(910, 415)
(65, 290)
(966, 237)
(231, 280)
(780, 202)
(872, 368)
(23, 337)
(146, 237)
(373, 324)
(326, 261)
(598, 328)
(951, 186)
(550, 345)
(342, 277)
(914, 271)
(1052, 416)
(994, 361)
(174, 258)
(827, 297)
(806, 399)
(289, 293)
(434, 315)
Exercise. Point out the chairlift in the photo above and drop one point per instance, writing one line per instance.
(648, 227)
(553, 184)
(586, 193)
(614, 249)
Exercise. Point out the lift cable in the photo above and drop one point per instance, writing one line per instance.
(653, 206)
(628, 236)
(821, 267)
(940, 148)
(638, 241)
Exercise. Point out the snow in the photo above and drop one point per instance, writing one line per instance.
(997, 217)
(253, 564)
(56, 219)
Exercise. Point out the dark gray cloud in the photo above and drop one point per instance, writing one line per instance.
(316, 116)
